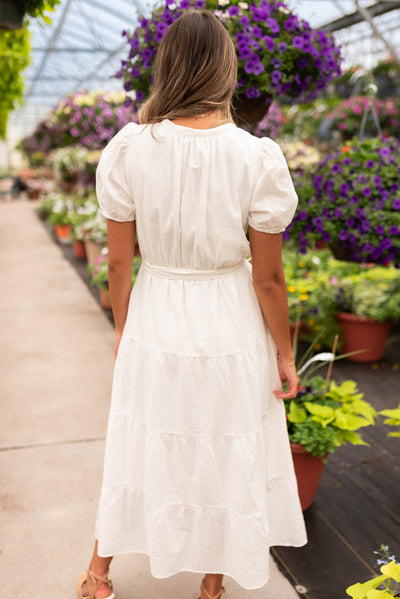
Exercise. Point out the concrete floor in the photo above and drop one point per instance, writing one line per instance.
(56, 356)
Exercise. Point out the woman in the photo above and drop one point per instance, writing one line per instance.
(198, 472)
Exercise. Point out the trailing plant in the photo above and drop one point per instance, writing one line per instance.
(278, 53)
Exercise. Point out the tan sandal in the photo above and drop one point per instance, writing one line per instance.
(97, 581)
(207, 594)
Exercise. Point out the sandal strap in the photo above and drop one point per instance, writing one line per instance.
(97, 581)
(217, 596)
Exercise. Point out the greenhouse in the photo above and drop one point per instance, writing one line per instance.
(152, 224)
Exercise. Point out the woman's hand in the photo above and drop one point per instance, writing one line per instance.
(117, 342)
(288, 374)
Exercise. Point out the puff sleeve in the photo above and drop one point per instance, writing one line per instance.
(113, 190)
(274, 199)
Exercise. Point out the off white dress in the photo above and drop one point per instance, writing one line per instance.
(198, 473)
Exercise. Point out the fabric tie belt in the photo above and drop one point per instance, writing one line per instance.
(169, 272)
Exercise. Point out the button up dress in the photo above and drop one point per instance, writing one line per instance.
(198, 472)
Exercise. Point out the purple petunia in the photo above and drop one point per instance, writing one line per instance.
(394, 230)
(244, 20)
(380, 229)
(370, 163)
(233, 11)
(252, 92)
(298, 41)
(257, 31)
(302, 215)
(396, 204)
(276, 76)
(269, 42)
(350, 222)
(343, 235)
(366, 191)
(384, 152)
(282, 47)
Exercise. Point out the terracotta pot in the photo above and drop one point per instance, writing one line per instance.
(308, 471)
(105, 298)
(79, 249)
(93, 250)
(250, 111)
(63, 233)
(363, 334)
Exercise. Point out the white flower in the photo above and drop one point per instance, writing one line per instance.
(223, 2)
(243, 5)
(172, 6)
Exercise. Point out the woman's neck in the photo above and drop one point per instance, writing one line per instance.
(206, 121)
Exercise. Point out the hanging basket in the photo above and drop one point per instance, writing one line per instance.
(12, 14)
(250, 111)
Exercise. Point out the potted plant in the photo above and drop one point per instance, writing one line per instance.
(99, 276)
(86, 209)
(60, 219)
(366, 304)
(389, 579)
(351, 200)
(95, 237)
(278, 53)
(322, 417)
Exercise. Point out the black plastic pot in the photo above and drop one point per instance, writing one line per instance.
(12, 14)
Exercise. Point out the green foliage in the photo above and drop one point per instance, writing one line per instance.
(38, 9)
(390, 578)
(321, 424)
(99, 272)
(393, 419)
(14, 58)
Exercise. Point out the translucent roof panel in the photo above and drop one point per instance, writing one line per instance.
(83, 47)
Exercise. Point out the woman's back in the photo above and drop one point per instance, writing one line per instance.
(194, 191)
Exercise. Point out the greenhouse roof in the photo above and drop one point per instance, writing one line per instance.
(83, 46)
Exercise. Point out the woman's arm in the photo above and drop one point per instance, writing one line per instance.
(121, 247)
(270, 287)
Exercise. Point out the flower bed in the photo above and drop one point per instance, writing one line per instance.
(86, 119)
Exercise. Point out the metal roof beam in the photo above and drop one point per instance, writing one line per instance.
(375, 10)
(52, 41)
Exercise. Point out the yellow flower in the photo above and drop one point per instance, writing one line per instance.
(317, 327)
(311, 322)
(302, 264)
(303, 297)
(375, 366)
(395, 367)
(318, 346)
(291, 289)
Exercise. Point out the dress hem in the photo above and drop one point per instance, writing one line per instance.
(195, 571)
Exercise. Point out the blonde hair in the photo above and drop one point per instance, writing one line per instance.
(195, 70)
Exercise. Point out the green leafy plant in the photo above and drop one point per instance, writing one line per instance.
(62, 210)
(393, 419)
(389, 579)
(322, 419)
(374, 293)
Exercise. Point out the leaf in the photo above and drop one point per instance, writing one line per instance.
(296, 414)
(46, 19)
(360, 590)
(379, 595)
(394, 434)
(318, 410)
(392, 570)
(349, 422)
(353, 438)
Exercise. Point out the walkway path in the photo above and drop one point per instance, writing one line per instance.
(56, 356)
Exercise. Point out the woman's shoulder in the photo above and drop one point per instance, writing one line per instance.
(262, 148)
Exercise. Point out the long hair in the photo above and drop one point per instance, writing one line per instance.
(195, 70)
